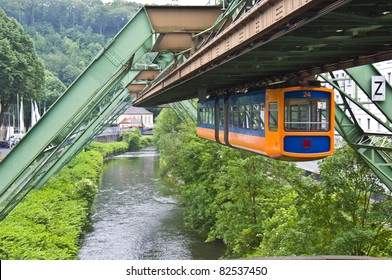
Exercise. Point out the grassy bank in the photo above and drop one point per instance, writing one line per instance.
(48, 223)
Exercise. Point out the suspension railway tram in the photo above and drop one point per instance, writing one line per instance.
(290, 123)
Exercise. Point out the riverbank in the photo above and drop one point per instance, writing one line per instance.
(48, 223)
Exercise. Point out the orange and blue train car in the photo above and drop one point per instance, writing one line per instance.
(291, 123)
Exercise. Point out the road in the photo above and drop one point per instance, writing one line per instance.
(3, 153)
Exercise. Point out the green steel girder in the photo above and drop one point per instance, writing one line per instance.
(178, 110)
(88, 135)
(186, 106)
(96, 122)
(183, 108)
(373, 148)
(362, 75)
(71, 122)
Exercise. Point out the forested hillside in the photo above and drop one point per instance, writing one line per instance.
(46, 44)
(69, 33)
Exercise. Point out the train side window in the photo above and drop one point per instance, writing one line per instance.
(234, 117)
(262, 116)
(231, 116)
(199, 115)
(221, 116)
(248, 116)
(203, 115)
(211, 116)
(255, 116)
(273, 116)
(242, 112)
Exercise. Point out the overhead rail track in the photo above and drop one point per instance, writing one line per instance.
(279, 40)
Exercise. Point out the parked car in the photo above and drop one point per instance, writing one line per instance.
(14, 139)
(5, 144)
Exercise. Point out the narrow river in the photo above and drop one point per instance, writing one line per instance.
(137, 217)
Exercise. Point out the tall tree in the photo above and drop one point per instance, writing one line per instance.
(345, 212)
(21, 71)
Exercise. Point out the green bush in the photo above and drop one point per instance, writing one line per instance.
(132, 138)
(107, 149)
(48, 223)
(146, 141)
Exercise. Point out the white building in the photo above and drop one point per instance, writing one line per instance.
(136, 117)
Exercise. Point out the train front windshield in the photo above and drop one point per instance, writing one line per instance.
(307, 114)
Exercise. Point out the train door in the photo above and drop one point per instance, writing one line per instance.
(273, 122)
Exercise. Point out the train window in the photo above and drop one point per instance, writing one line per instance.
(306, 114)
(273, 116)
(255, 116)
(211, 115)
(262, 116)
(234, 116)
(244, 114)
(201, 115)
(248, 111)
(221, 116)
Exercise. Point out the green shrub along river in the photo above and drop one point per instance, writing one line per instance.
(48, 223)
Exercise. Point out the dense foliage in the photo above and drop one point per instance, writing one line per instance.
(21, 71)
(69, 33)
(135, 140)
(48, 223)
(260, 206)
(65, 34)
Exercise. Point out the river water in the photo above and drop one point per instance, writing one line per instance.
(137, 217)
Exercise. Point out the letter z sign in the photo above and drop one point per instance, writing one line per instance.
(378, 88)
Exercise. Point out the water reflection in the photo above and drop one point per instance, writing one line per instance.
(135, 219)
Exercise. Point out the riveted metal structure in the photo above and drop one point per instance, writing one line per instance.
(374, 148)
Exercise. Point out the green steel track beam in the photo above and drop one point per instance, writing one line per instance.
(185, 107)
(373, 148)
(87, 136)
(71, 122)
(97, 122)
(362, 75)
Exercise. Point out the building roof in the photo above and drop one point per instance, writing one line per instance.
(137, 111)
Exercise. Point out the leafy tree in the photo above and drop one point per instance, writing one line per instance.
(345, 212)
(22, 72)
(359, 210)
(53, 89)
